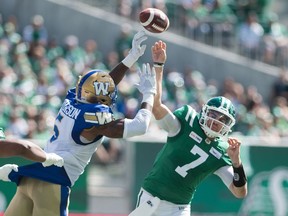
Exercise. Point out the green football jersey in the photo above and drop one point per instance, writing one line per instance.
(185, 160)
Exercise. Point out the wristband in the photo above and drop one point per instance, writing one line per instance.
(158, 64)
(239, 178)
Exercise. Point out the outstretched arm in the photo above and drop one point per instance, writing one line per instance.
(159, 59)
(28, 150)
(124, 128)
(22, 148)
(166, 119)
(136, 51)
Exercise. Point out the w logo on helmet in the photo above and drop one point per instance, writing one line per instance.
(101, 88)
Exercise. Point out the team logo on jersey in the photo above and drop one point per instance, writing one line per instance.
(101, 87)
(100, 118)
(216, 153)
(195, 137)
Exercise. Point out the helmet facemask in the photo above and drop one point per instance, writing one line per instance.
(217, 121)
(96, 87)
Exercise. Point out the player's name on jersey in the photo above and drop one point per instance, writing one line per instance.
(70, 110)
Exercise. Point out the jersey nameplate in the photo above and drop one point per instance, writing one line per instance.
(195, 137)
(216, 153)
(70, 110)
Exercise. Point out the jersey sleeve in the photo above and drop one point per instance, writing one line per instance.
(185, 112)
(226, 174)
(92, 115)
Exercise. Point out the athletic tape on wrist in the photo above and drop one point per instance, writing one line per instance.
(239, 178)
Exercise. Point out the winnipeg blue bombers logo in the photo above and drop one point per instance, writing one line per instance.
(101, 88)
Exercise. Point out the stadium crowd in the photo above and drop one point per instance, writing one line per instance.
(249, 28)
(36, 71)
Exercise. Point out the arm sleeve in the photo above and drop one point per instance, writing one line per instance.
(226, 174)
(170, 123)
(137, 126)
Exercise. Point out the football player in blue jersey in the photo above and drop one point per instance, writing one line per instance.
(197, 146)
(80, 126)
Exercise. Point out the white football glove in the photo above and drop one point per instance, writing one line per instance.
(5, 171)
(137, 50)
(147, 84)
(53, 159)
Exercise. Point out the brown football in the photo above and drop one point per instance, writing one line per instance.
(154, 20)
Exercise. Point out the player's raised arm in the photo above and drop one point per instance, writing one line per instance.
(166, 119)
(135, 52)
(124, 128)
(159, 59)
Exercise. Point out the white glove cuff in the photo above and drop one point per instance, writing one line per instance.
(148, 98)
(129, 60)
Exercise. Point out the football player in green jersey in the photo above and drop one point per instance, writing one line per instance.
(197, 146)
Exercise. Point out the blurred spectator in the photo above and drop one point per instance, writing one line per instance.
(221, 21)
(74, 54)
(36, 31)
(64, 78)
(124, 40)
(37, 54)
(111, 60)
(194, 12)
(10, 35)
(250, 35)
(17, 126)
(276, 42)
(93, 56)
(280, 113)
(124, 8)
(280, 87)
(54, 51)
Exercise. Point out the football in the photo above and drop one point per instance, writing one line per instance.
(154, 20)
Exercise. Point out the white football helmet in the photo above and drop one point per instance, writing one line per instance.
(217, 117)
(96, 87)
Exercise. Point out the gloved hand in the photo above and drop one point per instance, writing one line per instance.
(137, 50)
(147, 84)
(53, 159)
(5, 171)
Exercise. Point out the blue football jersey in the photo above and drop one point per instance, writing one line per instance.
(73, 121)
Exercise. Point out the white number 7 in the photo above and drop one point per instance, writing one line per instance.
(203, 157)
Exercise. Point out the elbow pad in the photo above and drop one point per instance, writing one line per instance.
(137, 126)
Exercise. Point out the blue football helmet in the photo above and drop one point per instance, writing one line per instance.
(96, 87)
